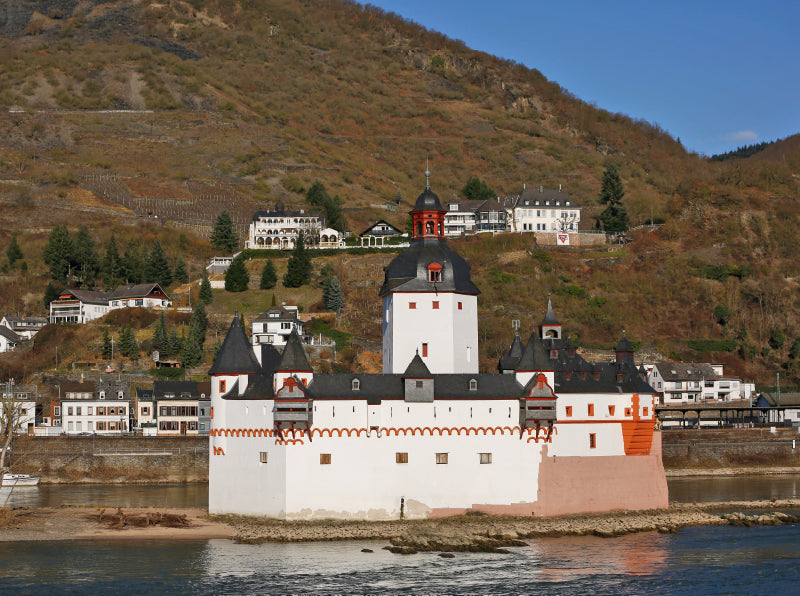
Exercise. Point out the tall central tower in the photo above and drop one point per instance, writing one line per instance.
(430, 304)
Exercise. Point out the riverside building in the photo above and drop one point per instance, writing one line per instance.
(548, 434)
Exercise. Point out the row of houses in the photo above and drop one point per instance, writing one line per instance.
(14, 329)
(110, 407)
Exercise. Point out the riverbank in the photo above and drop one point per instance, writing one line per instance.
(733, 471)
(461, 533)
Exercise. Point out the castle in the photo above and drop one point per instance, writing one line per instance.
(548, 434)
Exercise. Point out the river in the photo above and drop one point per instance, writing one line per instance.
(703, 560)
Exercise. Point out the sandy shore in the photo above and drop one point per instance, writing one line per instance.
(465, 532)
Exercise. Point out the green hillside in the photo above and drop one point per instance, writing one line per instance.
(147, 119)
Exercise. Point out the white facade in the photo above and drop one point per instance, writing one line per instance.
(27, 414)
(279, 229)
(681, 382)
(544, 215)
(95, 416)
(275, 326)
(441, 327)
(460, 218)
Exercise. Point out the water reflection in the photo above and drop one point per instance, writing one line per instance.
(107, 495)
(733, 488)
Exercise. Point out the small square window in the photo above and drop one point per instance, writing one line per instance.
(412, 305)
(324, 458)
(262, 457)
(569, 411)
(419, 384)
(401, 458)
(441, 458)
(435, 305)
(485, 458)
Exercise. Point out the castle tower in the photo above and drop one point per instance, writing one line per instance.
(550, 327)
(430, 304)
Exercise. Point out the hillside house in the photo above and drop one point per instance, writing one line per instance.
(682, 382)
(279, 228)
(82, 306)
(460, 218)
(218, 265)
(383, 229)
(492, 216)
(8, 340)
(26, 403)
(174, 408)
(543, 210)
(24, 326)
(276, 325)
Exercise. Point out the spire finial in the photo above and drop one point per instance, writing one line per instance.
(427, 174)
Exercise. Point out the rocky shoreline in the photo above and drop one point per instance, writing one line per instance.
(489, 533)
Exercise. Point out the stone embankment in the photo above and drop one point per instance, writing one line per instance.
(488, 533)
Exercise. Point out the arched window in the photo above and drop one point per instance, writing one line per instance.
(356, 385)
(473, 385)
(419, 228)
(429, 227)
(434, 273)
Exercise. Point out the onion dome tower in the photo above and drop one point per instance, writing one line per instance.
(430, 304)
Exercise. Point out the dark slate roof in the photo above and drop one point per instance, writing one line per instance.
(417, 369)
(510, 360)
(624, 345)
(87, 296)
(144, 394)
(135, 291)
(280, 212)
(550, 316)
(608, 381)
(427, 201)
(161, 388)
(492, 206)
(408, 271)
(535, 356)
(270, 359)
(9, 335)
(284, 314)
(532, 197)
(685, 371)
(395, 232)
(294, 356)
(17, 321)
(532, 388)
(235, 356)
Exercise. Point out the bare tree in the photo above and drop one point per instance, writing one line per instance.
(11, 420)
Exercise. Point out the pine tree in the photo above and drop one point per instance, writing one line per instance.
(157, 269)
(192, 352)
(237, 277)
(333, 296)
(614, 217)
(181, 274)
(298, 269)
(13, 252)
(112, 263)
(268, 276)
(106, 344)
(85, 255)
(206, 296)
(58, 253)
(174, 343)
(131, 267)
(51, 292)
(477, 190)
(160, 341)
(223, 235)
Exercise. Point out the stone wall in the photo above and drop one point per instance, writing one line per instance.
(112, 459)
(721, 448)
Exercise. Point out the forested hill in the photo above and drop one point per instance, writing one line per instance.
(177, 109)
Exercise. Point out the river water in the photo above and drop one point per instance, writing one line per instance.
(704, 560)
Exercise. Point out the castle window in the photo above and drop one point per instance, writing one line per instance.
(324, 458)
(401, 458)
(435, 305)
(592, 440)
(569, 411)
(591, 409)
(460, 306)
(424, 350)
(222, 386)
(434, 273)
(645, 411)
(419, 228)
(429, 227)
(412, 305)
(628, 412)
(419, 385)
(356, 384)
(441, 458)
(485, 458)
(473, 385)
(611, 410)
(262, 457)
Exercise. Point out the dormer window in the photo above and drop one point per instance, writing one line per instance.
(356, 385)
(434, 273)
(473, 385)
(553, 354)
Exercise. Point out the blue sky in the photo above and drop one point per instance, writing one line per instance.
(716, 74)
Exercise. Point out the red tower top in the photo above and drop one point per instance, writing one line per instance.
(428, 215)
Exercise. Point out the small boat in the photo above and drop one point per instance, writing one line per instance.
(10, 479)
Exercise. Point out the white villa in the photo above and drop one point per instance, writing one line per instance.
(276, 325)
(544, 210)
(82, 306)
(689, 382)
(279, 229)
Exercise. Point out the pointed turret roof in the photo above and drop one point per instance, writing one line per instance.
(294, 356)
(510, 360)
(235, 356)
(417, 369)
(428, 201)
(535, 356)
(550, 316)
(624, 345)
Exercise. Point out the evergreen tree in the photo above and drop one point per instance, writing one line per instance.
(477, 190)
(13, 252)
(318, 196)
(268, 276)
(132, 268)
(85, 255)
(106, 345)
(181, 274)
(157, 268)
(333, 296)
(58, 253)
(112, 263)
(160, 341)
(51, 292)
(298, 269)
(398, 197)
(192, 352)
(174, 343)
(223, 236)
(237, 277)
(614, 217)
(206, 296)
